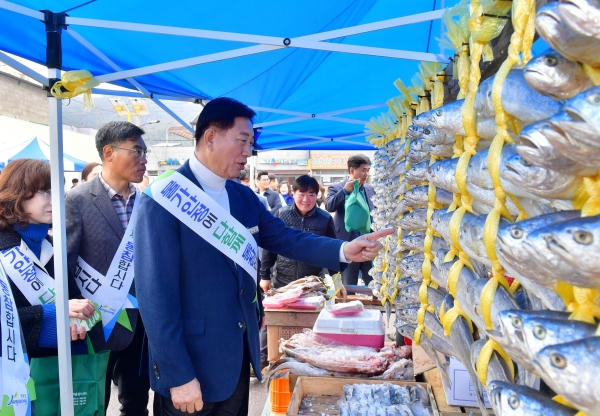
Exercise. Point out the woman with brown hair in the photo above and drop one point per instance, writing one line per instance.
(90, 170)
(26, 256)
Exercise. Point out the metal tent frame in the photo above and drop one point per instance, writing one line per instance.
(55, 23)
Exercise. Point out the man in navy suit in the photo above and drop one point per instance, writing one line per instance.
(358, 166)
(200, 306)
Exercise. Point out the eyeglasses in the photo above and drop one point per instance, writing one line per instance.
(138, 152)
(47, 194)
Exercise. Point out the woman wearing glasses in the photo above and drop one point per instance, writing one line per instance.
(26, 256)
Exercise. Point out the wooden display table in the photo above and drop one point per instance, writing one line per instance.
(283, 323)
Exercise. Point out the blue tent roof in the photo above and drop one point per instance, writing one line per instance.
(36, 149)
(291, 79)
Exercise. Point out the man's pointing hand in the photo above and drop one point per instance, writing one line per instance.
(366, 247)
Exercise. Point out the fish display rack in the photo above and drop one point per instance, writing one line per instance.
(496, 200)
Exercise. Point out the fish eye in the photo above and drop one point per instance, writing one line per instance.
(513, 401)
(516, 233)
(438, 112)
(516, 321)
(426, 131)
(539, 332)
(594, 99)
(558, 361)
(583, 237)
(439, 168)
(429, 170)
(550, 61)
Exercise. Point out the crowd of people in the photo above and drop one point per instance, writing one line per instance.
(188, 325)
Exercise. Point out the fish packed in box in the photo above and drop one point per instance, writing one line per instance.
(496, 198)
(310, 354)
(308, 293)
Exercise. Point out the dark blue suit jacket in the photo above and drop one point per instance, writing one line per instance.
(197, 306)
(336, 202)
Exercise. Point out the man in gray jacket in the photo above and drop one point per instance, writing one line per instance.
(98, 213)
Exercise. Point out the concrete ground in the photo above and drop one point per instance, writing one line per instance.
(258, 398)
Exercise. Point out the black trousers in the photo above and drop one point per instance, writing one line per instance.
(124, 370)
(350, 274)
(236, 405)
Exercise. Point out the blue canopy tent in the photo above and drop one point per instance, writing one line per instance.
(37, 149)
(314, 71)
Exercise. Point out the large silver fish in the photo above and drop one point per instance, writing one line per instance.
(417, 173)
(414, 131)
(585, 107)
(442, 150)
(568, 146)
(418, 197)
(497, 368)
(416, 156)
(518, 261)
(399, 169)
(470, 237)
(508, 332)
(518, 99)
(542, 182)
(576, 242)
(582, 16)
(443, 175)
(415, 242)
(573, 370)
(537, 150)
(569, 43)
(554, 75)
(546, 266)
(419, 146)
(432, 136)
(508, 399)
(422, 120)
(470, 300)
(540, 332)
(414, 221)
(447, 118)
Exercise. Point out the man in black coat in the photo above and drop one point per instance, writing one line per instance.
(358, 167)
(263, 189)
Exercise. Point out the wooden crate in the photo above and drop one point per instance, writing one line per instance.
(335, 386)
(282, 324)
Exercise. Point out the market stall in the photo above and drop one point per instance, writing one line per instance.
(488, 172)
(494, 191)
(316, 340)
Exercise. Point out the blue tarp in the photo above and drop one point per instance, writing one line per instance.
(37, 149)
(291, 79)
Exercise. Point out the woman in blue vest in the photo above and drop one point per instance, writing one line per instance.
(26, 252)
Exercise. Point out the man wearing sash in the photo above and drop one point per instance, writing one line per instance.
(196, 239)
(99, 217)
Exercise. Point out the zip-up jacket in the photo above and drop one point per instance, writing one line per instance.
(286, 270)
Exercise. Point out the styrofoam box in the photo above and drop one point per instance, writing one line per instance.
(462, 392)
(365, 329)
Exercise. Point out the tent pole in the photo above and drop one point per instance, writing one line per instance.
(60, 252)
(252, 163)
(55, 22)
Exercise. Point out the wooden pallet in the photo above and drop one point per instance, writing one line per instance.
(435, 381)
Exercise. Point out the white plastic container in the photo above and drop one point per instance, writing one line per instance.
(365, 329)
